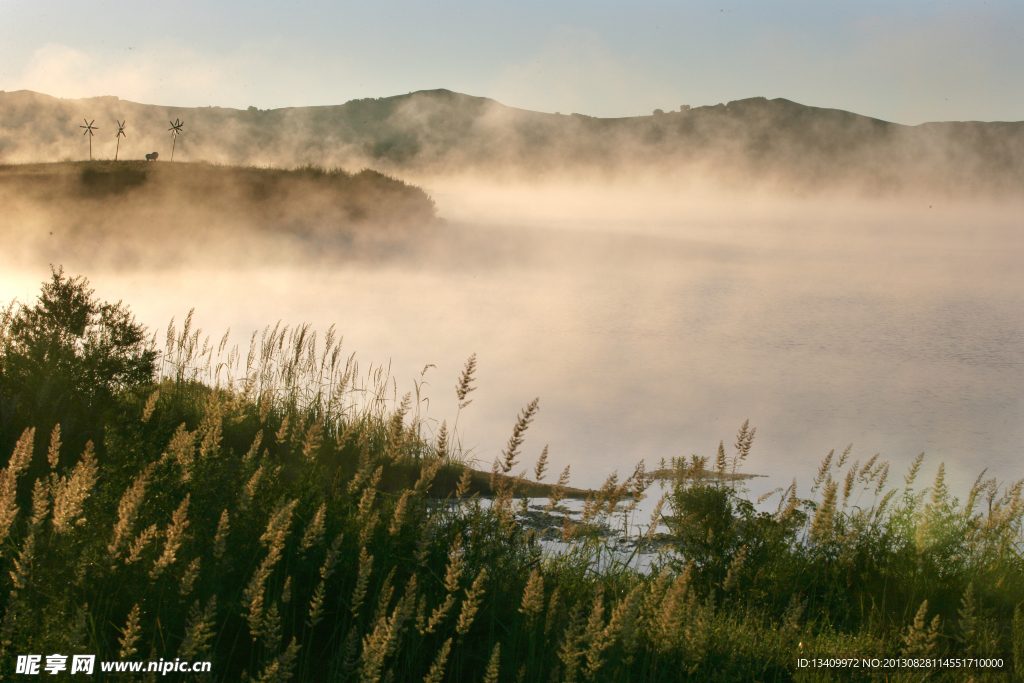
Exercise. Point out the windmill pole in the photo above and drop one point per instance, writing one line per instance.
(174, 130)
(89, 128)
(120, 132)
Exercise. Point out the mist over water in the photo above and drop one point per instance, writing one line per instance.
(650, 321)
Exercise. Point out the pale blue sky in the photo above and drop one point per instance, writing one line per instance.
(904, 61)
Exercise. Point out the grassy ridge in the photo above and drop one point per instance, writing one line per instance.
(274, 513)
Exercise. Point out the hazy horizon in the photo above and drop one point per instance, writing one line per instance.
(906, 62)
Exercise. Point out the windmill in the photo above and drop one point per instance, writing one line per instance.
(120, 133)
(174, 130)
(89, 128)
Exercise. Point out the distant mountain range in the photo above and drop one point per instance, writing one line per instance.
(753, 141)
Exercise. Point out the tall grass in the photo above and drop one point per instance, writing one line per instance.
(276, 512)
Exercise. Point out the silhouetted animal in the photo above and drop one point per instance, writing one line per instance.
(152, 157)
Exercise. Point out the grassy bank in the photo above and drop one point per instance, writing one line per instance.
(162, 214)
(274, 511)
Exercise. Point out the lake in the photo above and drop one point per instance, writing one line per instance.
(652, 322)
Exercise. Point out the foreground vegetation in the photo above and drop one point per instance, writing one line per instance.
(281, 515)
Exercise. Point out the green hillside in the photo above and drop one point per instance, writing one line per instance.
(749, 141)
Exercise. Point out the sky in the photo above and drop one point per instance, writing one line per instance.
(907, 61)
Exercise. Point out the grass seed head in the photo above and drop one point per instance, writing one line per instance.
(314, 534)
(474, 595)
(436, 672)
(70, 494)
(53, 455)
(493, 665)
(130, 634)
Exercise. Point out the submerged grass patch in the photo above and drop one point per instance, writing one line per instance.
(275, 512)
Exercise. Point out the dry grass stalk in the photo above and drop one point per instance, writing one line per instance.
(130, 634)
(280, 669)
(441, 446)
(721, 463)
(921, 638)
(623, 623)
(314, 534)
(511, 453)
(147, 411)
(823, 470)
(362, 579)
(278, 526)
(270, 628)
(316, 605)
(427, 474)
(554, 608)
(383, 641)
(370, 494)
(40, 508)
(369, 528)
(174, 534)
(400, 511)
(493, 665)
(250, 488)
(128, 511)
(542, 464)
(465, 385)
(569, 652)
(314, 438)
(70, 494)
(474, 595)
(53, 454)
(599, 636)
(199, 629)
(331, 560)
(282, 433)
(182, 450)
(823, 523)
(915, 467)
(436, 672)
(220, 538)
(735, 567)
(211, 427)
(464, 481)
(673, 609)
(558, 492)
(440, 613)
(656, 516)
(250, 457)
(140, 543)
(189, 579)
(744, 439)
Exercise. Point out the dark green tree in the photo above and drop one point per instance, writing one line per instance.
(64, 361)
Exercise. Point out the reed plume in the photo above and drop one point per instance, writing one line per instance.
(436, 672)
(465, 384)
(130, 634)
(314, 534)
(493, 665)
(474, 594)
(127, 512)
(511, 453)
(70, 493)
(173, 538)
(199, 629)
(53, 454)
